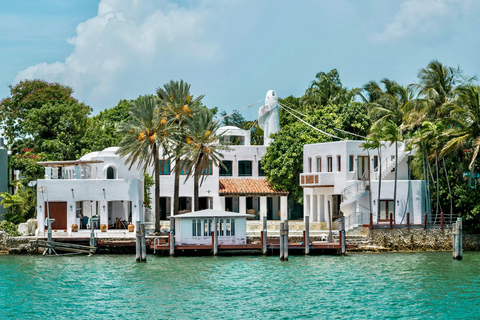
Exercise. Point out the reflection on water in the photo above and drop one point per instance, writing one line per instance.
(357, 286)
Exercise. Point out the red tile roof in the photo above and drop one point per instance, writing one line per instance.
(248, 186)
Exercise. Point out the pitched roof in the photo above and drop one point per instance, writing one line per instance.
(210, 213)
(247, 186)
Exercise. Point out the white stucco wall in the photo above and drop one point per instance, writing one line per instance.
(183, 232)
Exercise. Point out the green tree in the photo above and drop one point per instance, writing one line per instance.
(21, 205)
(143, 136)
(26, 96)
(203, 148)
(178, 105)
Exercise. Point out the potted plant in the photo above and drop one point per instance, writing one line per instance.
(74, 227)
(131, 227)
(103, 227)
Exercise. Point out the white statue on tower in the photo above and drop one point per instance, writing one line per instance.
(268, 118)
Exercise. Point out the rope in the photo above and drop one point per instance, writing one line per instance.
(238, 110)
(325, 133)
(353, 134)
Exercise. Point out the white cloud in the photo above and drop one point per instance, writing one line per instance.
(419, 17)
(126, 37)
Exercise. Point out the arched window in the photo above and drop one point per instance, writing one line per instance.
(110, 173)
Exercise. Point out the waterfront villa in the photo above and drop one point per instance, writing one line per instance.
(98, 188)
(240, 187)
(342, 179)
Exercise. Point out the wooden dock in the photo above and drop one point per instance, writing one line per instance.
(273, 247)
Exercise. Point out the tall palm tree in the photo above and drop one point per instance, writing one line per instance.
(464, 122)
(142, 136)
(393, 134)
(203, 148)
(179, 105)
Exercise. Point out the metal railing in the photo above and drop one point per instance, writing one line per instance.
(356, 219)
(358, 187)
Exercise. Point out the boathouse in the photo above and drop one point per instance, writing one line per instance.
(195, 228)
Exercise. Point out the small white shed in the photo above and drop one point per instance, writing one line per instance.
(195, 228)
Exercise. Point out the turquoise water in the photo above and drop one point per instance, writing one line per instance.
(357, 286)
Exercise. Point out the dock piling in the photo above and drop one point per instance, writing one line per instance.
(457, 240)
(306, 237)
(143, 243)
(282, 230)
(285, 241)
(138, 246)
(408, 220)
(264, 237)
(342, 236)
(215, 237)
(171, 242)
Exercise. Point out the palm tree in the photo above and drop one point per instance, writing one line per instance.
(143, 135)
(203, 148)
(393, 134)
(464, 122)
(327, 88)
(177, 104)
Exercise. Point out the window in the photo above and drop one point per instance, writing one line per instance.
(245, 168)
(228, 227)
(194, 227)
(261, 172)
(205, 228)
(199, 227)
(164, 167)
(110, 173)
(339, 163)
(309, 164)
(319, 164)
(208, 171)
(232, 232)
(350, 163)
(221, 227)
(329, 164)
(375, 163)
(226, 169)
(184, 167)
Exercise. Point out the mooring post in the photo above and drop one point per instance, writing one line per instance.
(342, 236)
(441, 220)
(330, 235)
(408, 220)
(282, 231)
(264, 237)
(172, 236)
(454, 240)
(391, 220)
(371, 220)
(138, 246)
(285, 241)
(306, 237)
(425, 221)
(215, 237)
(143, 243)
(458, 241)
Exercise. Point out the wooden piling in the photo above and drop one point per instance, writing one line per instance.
(391, 220)
(342, 236)
(425, 221)
(285, 241)
(408, 220)
(306, 235)
(442, 221)
(264, 237)
(138, 247)
(171, 241)
(143, 243)
(282, 230)
(457, 240)
(330, 235)
(371, 220)
(215, 237)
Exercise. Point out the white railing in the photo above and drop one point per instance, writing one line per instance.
(358, 187)
(356, 219)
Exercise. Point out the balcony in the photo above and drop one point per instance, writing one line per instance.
(317, 179)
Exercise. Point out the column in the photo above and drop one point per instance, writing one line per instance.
(283, 208)
(54, 173)
(242, 204)
(312, 206)
(76, 172)
(328, 216)
(263, 207)
(222, 203)
(48, 173)
(306, 208)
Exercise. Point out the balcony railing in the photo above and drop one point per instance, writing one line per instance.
(317, 179)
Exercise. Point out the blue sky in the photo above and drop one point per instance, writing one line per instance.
(231, 51)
